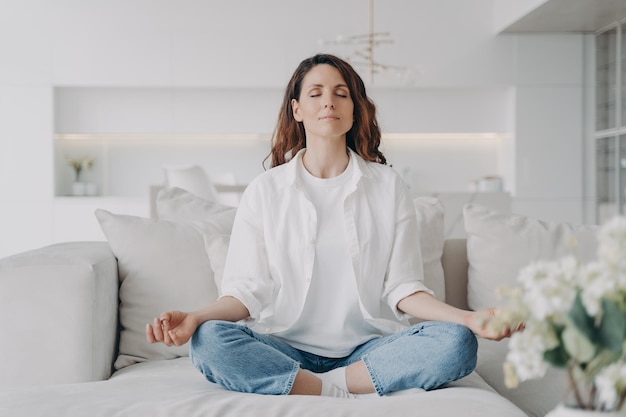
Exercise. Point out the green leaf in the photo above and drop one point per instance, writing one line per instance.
(581, 320)
(612, 330)
(557, 357)
(577, 345)
(601, 361)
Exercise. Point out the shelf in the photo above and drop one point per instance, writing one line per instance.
(158, 138)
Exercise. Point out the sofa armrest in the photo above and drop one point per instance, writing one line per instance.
(455, 265)
(58, 310)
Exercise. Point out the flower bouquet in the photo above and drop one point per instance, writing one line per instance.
(80, 164)
(575, 318)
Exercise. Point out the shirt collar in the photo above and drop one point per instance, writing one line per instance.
(361, 168)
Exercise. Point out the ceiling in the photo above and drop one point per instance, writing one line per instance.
(570, 16)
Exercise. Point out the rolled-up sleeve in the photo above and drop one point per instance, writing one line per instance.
(246, 273)
(405, 272)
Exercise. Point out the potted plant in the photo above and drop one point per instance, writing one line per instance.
(575, 318)
(79, 165)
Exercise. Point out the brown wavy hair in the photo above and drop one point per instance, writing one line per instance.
(289, 135)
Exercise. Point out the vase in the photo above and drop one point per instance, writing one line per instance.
(78, 189)
(563, 411)
(91, 189)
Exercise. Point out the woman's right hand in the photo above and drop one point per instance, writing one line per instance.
(177, 327)
(172, 328)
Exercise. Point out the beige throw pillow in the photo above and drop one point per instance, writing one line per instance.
(499, 245)
(430, 218)
(164, 264)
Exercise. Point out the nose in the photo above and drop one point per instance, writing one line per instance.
(329, 105)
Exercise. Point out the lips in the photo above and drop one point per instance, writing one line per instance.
(329, 117)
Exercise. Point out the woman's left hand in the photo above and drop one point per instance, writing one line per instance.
(486, 323)
(479, 322)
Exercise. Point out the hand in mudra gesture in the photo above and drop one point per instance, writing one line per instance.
(172, 328)
(486, 324)
(177, 327)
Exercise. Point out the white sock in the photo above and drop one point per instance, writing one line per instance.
(330, 390)
(336, 377)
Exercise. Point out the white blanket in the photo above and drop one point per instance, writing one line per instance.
(174, 388)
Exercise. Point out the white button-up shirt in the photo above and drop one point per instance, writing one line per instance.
(272, 246)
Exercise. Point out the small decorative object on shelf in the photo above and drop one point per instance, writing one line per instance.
(487, 184)
(575, 318)
(79, 165)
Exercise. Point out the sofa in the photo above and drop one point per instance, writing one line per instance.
(74, 315)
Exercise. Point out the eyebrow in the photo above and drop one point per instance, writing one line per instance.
(321, 85)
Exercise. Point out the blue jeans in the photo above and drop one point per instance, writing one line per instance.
(427, 355)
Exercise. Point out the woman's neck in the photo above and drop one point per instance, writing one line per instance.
(326, 160)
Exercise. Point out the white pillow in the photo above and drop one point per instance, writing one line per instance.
(217, 248)
(430, 218)
(165, 265)
(193, 179)
(499, 245)
(181, 205)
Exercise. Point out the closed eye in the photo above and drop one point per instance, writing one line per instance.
(342, 92)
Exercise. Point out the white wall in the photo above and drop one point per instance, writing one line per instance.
(506, 12)
(529, 88)
(178, 112)
(550, 122)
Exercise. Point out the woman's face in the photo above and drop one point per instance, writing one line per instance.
(325, 106)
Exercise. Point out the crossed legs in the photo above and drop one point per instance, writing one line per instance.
(427, 355)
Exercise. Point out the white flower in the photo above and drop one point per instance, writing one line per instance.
(550, 287)
(611, 383)
(575, 318)
(526, 350)
(612, 243)
(86, 162)
(511, 317)
(595, 282)
(80, 164)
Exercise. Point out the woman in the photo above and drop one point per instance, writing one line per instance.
(324, 265)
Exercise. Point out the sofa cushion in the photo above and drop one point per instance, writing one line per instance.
(163, 265)
(176, 388)
(60, 307)
(430, 218)
(454, 262)
(499, 245)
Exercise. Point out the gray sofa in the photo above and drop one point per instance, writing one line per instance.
(74, 314)
(60, 330)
